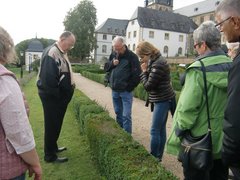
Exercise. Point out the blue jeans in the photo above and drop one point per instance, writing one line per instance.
(122, 103)
(21, 177)
(158, 129)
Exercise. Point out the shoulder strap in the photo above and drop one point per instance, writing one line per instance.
(205, 92)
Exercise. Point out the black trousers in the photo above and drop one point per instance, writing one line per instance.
(218, 172)
(54, 110)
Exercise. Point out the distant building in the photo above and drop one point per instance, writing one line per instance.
(33, 53)
(200, 12)
(104, 35)
(168, 31)
(156, 23)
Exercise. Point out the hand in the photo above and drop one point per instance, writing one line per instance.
(115, 62)
(37, 170)
(144, 67)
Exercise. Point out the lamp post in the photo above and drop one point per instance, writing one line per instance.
(21, 64)
(30, 62)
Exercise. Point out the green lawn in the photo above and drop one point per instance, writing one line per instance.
(80, 165)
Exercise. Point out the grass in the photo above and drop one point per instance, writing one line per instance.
(80, 164)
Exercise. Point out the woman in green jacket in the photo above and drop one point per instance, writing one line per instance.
(191, 112)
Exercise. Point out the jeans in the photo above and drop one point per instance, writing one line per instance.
(158, 129)
(122, 103)
(21, 177)
(218, 172)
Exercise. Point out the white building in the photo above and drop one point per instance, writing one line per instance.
(104, 35)
(155, 23)
(168, 31)
(33, 53)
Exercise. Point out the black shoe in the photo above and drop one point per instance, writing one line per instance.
(61, 149)
(58, 160)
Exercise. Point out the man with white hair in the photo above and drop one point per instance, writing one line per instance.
(228, 22)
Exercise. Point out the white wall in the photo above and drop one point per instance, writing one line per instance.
(100, 42)
(158, 40)
(30, 57)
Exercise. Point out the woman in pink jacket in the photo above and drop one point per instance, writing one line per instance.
(17, 145)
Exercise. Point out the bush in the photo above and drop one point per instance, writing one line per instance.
(118, 156)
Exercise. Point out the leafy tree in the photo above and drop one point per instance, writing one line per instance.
(81, 20)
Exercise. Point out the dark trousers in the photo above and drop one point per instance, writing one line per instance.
(217, 172)
(54, 111)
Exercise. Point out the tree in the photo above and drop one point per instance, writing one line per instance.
(82, 21)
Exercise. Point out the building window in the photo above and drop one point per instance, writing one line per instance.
(134, 33)
(128, 46)
(151, 34)
(104, 49)
(166, 36)
(113, 37)
(104, 37)
(201, 19)
(180, 51)
(165, 50)
(129, 35)
(195, 9)
(134, 47)
(180, 38)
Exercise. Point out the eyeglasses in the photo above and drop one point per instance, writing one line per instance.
(198, 44)
(218, 25)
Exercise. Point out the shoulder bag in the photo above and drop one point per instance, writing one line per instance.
(196, 152)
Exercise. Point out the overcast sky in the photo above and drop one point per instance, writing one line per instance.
(24, 19)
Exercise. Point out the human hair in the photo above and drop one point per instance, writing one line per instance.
(118, 39)
(229, 8)
(66, 34)
(208, 33)
(7, 49)
(146, 48)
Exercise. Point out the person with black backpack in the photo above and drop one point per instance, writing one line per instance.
(124, 75)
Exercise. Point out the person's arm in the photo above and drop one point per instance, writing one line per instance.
(189, 101)
(135, 72)
(32, 159)
(14, 120)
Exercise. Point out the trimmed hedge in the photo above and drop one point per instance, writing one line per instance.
(116, 153)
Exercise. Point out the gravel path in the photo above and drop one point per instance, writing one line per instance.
(141, 117)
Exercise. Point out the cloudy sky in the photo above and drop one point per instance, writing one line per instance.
(27, 18)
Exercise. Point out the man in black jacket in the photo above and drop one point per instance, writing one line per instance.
(55, 88)
(124, 68)
(228, 22)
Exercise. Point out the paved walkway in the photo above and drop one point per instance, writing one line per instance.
(141, 117)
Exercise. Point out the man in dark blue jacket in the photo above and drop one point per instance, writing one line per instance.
(55, 88)
(124, 68)
(228, 22)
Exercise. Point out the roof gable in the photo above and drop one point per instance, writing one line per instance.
(196, 9)
(163, 20)
(113, 26)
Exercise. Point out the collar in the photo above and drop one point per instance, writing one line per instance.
(60, 49)
(211, 53)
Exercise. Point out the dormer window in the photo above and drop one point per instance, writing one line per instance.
(217, 3)
(195, 9)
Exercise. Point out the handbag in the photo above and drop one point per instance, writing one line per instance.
(196, 152)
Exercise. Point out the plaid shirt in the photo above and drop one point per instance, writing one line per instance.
(16, 135)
